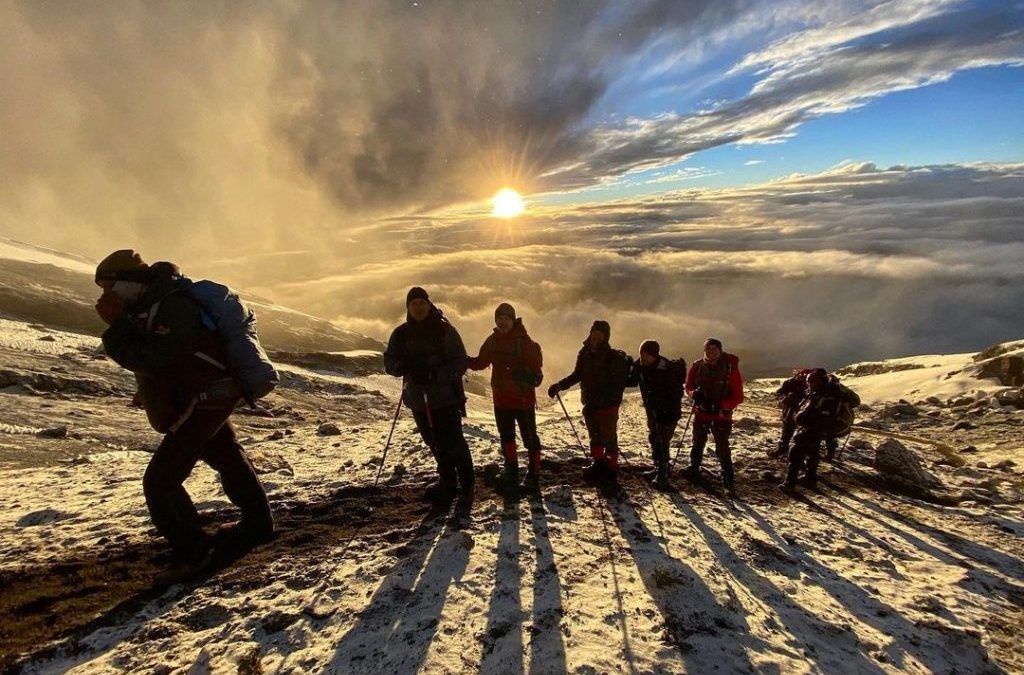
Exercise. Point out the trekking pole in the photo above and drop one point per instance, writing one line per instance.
(573, 426)
(679, 447)
(839, 455)
(394, 423)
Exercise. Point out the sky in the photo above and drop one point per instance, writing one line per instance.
(813, 183)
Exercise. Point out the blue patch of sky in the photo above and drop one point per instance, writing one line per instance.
(973, 117)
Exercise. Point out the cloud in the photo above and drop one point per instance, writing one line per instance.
(855, 262)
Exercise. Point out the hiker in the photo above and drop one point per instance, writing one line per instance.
(427, 352)
(601, 373)
(789, 396)
(826, 412)
(159, 331)
(715, 386)
(515, 361)
(661, 383)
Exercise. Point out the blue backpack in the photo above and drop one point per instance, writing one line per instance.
(225, 313)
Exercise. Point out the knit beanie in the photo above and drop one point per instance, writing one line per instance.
(123, 265)
(650, 347)
(713, 341)
(505, 309)
(602, 327)
(416, 293)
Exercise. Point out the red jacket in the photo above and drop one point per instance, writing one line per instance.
(516, 362)
(721, 385)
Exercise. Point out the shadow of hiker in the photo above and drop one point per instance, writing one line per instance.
(936, 646)
(690, 611)
(394, 632)
(974, 554)
(547, 647)
(813, 635)
(503, 638)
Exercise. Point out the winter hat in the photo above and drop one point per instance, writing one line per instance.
(416, 293)
(123, 265)
(818, 375)
(713, 341)
(505, 309)
(650, 347)
(602, 327)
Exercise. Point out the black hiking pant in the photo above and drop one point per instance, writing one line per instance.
(441, 430)
(788, 428)
(526, 418)
(805, 455)
(720, 430)
(206, 435)
(660, 430)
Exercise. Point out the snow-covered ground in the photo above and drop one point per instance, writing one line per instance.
(857, 578)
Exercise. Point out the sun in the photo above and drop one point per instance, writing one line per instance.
(507, 204)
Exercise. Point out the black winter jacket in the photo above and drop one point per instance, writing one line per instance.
(431, 357)
(602, 376)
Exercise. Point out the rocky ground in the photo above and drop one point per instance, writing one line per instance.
(915, 568)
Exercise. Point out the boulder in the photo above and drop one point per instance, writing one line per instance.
(328, 429)
(899, 464)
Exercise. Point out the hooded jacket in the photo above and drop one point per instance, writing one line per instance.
(828, 411)
(601, 374)
(516, 362)
(720, 384)
(162, 339)
(431, 358)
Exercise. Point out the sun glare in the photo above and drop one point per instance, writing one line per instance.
(507, 204)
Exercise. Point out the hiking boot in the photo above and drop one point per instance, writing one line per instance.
(510, 476)
(730, 492)
(184, 569)
(531, 482)
(780, 451)
(692, 474)
(595, 471)
(243, 533)
(651, 474)
(810, 482)
(787, 486)
(439, 492)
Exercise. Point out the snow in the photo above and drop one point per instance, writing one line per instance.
(851, 580)
(11, 249)
(943, 376)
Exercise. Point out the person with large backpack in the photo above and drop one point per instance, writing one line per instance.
(428, 354)
(661, 383)
(601, 372)
(826, 412)
(715, 386)
(195, 354)
(789, 396)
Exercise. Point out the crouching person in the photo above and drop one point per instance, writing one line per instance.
(427, 352)
(601, 373)
(825, 413)
(515, 361)
(158, 331)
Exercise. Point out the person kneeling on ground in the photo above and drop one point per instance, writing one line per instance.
(156, 330)
(661, 383)
(516, 363)
(715, 385)
(427, 352)
(826, 412)
(601, 373)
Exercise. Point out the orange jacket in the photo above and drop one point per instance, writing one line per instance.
(721, 386)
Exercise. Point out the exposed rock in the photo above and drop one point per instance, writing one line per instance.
(903, 408)
(53, 432)
(747, 424)
(965, 425)
(269, 462)
(968, 450)
(899, 464)
(328, 429)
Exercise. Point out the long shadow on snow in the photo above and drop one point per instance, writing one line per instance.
(394, 632)
(937, 649)
(503, 638)
(690, 611)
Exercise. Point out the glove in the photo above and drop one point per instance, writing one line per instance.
(109, 307)
(524, 377)
(553, 391)
(699, 397)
